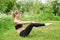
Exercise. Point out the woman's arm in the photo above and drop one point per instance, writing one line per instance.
(24, 22)
(28, 22)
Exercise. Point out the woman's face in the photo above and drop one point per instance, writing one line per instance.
(17, 15)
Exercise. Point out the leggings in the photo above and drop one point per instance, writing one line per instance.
(28, 29)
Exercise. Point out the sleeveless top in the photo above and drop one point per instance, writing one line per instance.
(18, 26)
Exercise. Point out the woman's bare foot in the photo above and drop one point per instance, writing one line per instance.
(47, 24)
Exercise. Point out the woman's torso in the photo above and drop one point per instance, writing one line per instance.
(18, 25)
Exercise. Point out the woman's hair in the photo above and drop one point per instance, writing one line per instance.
(14, 13)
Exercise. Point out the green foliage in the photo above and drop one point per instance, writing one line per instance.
(56, 6)
(35, 7)
(5, 24)
(6, 5)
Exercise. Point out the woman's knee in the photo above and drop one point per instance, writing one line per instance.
(32, 23)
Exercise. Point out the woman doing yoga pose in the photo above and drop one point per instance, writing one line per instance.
(19, 25)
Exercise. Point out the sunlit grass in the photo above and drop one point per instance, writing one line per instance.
(51, 32)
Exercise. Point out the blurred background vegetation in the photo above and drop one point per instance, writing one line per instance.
(44, 10)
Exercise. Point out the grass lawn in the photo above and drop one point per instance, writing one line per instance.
(51, 32)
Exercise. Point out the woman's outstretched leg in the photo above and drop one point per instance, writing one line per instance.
(29, 28)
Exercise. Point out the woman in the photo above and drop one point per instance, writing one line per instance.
(19, 25)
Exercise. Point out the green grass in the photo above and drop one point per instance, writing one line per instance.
(51, 32)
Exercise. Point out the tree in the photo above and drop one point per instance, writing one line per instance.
(6, 5)
(55, 7)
